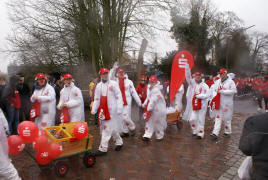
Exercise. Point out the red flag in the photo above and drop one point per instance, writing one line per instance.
(178, 71)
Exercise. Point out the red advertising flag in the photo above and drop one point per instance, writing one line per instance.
(178, 71)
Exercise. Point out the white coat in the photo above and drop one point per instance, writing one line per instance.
(177, 103)
(157, 105)
(109, 128)
(197, 117)
(225, 113)
(7, 170)
(47, 98)
(72, 97)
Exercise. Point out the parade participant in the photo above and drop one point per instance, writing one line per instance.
(177, 103)
(128, 91)
(11, 101)
(108, 104)
(44, 99)
(7, 170)
(72, 99)
(200, 95)
(212, 92)
(225, 89)
(142, 92)
(155, 111)
(210, 81)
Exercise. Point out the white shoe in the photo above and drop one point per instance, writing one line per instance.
(259, 109)
(266, 110)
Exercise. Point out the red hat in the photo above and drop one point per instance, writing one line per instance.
(223, 71)
(103, 70)
(143, 77)
(40, 76)
(67, 76)
(197, 74)
(120, 70)
(153, 79)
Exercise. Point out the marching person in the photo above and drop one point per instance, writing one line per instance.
(108, 104)
(142, 92)
(71, 100)
(210, 81)
(177, 103)
(222, 103)
(199, 98)
(128, 91)
(7, 170)
(155, 111)
(44, 98)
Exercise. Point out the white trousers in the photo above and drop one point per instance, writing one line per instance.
(107, 132)
(8, 172)
(197, 121)
(150, 129)
(128, 124)
(218, 122)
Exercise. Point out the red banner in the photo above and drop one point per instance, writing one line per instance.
(178, 71)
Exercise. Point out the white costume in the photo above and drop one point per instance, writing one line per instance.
(47, 98)
(227, 89)
(7, 170)
(197, 117)
(72, 97)
(177, 103)
(130, 92)
(157, 105)
(109, 128)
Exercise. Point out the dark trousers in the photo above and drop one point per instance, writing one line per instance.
(13, 119)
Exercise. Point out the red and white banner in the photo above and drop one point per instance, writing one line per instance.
(178, 71)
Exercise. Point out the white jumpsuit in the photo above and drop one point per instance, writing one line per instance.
(72, 97)
(157, 105)
(130, 92)
(109, 128)
(7, 170)
(225, 113)
(177, 103)
(197, 117)
(47, 98)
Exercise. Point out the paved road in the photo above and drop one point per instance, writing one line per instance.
(177, 157)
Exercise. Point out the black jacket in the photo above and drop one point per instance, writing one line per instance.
(9, 90)
(24, 90)
(254, 142)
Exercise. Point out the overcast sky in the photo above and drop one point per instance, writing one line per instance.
(251, 12)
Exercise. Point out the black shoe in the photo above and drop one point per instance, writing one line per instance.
(118, 147)
(146, 139)
(226, 135)
(214, 136)
(194, 135)
(125, 135)
(100, 153)
(198, 137)
(133, 133)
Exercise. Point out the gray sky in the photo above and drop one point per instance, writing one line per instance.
(252, 12)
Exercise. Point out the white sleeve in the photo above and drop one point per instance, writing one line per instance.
(75, 101)
(96, 102)
(134, 93)
(49, 97)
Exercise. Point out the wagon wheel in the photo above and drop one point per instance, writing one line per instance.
(61, 168)
(89, 160)
(179, 124)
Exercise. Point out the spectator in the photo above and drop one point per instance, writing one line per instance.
(11, 100)
(24, 92)
(254, 142)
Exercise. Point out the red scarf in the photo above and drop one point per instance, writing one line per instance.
(122, 89)
(215, 102)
